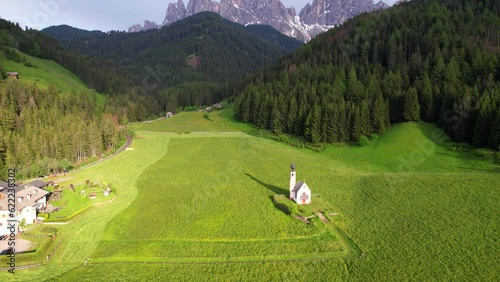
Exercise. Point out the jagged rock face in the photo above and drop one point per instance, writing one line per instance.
(135, 28)
(150, 25)
(175, 12)
(313, 19)
(381, 6)
(147, 26)
(196, 6)
(333, 12)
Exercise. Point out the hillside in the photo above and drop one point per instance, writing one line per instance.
(204, 47)
(50, 120)
(437, 61)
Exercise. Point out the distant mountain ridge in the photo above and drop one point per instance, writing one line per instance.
(314, 18)
(66, 32)
(202, 47)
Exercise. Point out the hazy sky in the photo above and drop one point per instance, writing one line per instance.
(95, 14)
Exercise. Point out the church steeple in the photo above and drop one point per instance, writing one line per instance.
(293, 181)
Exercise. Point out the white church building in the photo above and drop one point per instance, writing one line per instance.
(299, 192)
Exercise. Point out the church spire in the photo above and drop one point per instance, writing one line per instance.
(292, 180)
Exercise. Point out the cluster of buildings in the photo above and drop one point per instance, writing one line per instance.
(29, 200)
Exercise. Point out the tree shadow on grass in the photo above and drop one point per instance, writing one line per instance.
(272, 188)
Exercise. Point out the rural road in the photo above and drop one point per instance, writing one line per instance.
(123, 148)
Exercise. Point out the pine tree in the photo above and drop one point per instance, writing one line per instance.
(292, 115)
(313, 125)
(276, 122)
(494, 141)
(411, 110)
(427, 100)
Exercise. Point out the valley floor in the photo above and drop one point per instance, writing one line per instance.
(196, 207)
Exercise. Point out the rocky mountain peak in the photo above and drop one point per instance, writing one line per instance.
(147, 26)
(314, 18)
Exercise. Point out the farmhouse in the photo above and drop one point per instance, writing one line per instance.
(29, 200)
(14, 75)
(299, 192)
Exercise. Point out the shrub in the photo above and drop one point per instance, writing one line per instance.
(363, 141)
(30, 65)
(484, 153)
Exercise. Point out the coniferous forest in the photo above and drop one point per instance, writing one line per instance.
(43, 130)
(436, 61)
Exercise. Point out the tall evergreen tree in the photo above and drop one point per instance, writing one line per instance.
(411, 111)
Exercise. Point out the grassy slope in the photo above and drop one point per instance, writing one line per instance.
(436, 219)
(49, 73)
(80, 238)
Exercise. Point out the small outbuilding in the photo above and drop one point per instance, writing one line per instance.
(14, 75)
(106, 192)
(169, 115)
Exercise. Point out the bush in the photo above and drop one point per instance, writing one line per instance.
(363, 141)
(191, 109)
(30, 65)
(484, 153)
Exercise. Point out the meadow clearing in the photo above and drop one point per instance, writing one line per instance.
(46, 73)
(198, 207)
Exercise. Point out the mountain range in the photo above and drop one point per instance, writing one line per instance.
(314, 18)
(202, 47)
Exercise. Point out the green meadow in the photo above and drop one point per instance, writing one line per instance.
(45, 73)
(198, 206)
(186, 122)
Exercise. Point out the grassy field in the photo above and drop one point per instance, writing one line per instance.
(197, 207)
(217, 121)
(45, 73)
(75, 201)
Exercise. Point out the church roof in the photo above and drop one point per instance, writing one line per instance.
(298, 186)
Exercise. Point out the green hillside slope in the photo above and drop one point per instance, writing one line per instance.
(46, 72)
(437, 61)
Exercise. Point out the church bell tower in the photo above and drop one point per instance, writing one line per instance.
(293, 182)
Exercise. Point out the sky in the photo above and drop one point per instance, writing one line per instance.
(102, 15)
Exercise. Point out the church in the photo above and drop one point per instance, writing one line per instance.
(299, 192)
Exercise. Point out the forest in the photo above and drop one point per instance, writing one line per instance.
(45, 131)
(42, 132)
(436, 61)
(199, 39)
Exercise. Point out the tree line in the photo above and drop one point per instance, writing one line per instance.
(436, 61)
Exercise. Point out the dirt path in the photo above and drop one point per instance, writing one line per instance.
(322, 217)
